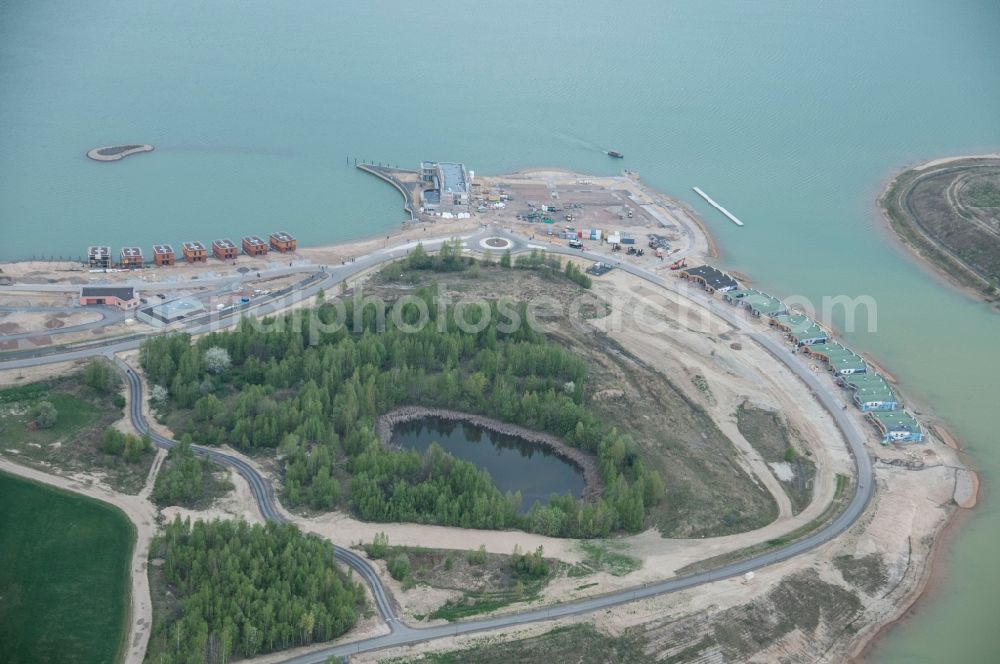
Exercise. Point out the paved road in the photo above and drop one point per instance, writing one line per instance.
(261, 488)
(401, 633)
(213, 321)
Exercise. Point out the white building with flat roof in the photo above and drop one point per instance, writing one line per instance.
(448, 187)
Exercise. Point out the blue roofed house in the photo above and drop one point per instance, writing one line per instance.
(756, 302)
(871, 391)
(800, 329)
(897, 426)
(840, 360)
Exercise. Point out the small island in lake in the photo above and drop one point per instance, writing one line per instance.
(117, 152)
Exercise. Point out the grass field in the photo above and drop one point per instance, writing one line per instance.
(73, 444)
(64, 581)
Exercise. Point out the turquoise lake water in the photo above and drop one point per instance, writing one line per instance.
(792, 115)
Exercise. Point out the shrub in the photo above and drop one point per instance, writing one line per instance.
(399, 567)
(126, 445)
(44, 415)
(531, 565)
(477, 557)
(577, 275)
(379, 546)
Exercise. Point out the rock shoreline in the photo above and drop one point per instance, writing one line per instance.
(592, 488)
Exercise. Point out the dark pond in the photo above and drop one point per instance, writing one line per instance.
(514, 463)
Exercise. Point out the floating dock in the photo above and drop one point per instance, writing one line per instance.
(732, 217)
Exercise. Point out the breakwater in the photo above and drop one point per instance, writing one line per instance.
(386, 173)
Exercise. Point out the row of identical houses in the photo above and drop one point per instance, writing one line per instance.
(100, 257)
(870, 391)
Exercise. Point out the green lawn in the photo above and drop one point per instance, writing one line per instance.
(74, 414)
(74, 443)
(64, 577)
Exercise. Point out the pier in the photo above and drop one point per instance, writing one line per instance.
(732, 217)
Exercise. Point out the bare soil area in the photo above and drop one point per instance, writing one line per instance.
(819, 607)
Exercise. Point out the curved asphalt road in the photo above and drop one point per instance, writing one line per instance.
(400, 633)
(261, 489)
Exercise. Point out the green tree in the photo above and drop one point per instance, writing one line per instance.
(99, 375)
(128, 446)
(418, 258)
(317, 404)
(245, 590)
(217, 360)
(185, 479)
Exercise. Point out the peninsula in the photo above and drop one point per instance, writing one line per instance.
(947, 212)
(762, 492)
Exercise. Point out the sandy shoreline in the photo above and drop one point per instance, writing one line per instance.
(947, 160)
(930, 582)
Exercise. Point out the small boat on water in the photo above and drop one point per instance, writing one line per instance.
(616, 154)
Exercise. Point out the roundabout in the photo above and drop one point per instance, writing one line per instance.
(500, 243)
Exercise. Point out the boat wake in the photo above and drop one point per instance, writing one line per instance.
(230, 149)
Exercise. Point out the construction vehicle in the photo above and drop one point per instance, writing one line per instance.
(679, 263)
